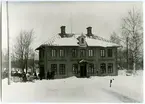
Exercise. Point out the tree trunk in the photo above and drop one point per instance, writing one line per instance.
(134, 63)
(26, 62)
(26, 66)
(134, 67)
(23, 65)
(127, 53)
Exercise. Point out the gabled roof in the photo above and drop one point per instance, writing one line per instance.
(73, 41)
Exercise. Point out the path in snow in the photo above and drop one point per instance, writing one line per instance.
(95, 89)
(121, 97)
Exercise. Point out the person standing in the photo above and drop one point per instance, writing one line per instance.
(111, 82)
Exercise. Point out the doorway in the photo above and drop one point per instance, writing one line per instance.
(83, 70)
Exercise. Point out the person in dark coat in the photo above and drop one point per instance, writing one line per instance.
(35, 75)
(48, 75)
(52, 74)
(111, 82)
(24, 77)
(40, 76)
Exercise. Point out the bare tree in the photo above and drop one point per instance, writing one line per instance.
(22, 48)
(121, 56)
(122, 51)
(31, 62)
(28, 39)
(132, 30)
(115, 38)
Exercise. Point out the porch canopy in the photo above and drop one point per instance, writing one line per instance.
(84, 61)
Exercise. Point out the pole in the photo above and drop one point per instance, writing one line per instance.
(1, 37)
(1, 48)
(9, 61)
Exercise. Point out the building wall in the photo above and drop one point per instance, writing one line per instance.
(68, 60)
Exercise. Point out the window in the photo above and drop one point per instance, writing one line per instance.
(82, 54)
(74, 52)
(103, 68)
(75, 68)
(82, 40)
(53, 53)
(109, 52)
(61, 53)
(54, 68)
(62, 69)
(110, 67)
(91, 69)
(91, 52)
(102, 53)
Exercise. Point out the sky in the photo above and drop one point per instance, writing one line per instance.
(47, 17)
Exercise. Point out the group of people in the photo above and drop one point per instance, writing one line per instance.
(50, 75)
(31, 76)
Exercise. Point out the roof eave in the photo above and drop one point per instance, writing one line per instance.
(41, 47)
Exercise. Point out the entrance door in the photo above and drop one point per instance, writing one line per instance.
(83, 70)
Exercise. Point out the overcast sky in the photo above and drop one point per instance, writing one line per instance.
(47, 17)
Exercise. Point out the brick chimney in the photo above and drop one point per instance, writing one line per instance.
(62, 30)
(89, 30)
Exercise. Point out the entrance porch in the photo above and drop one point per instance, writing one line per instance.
(83, 68)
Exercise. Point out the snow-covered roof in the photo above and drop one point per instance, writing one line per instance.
(66, 42)
(97, 42)
(73, 41)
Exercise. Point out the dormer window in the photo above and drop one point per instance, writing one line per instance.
(82, 40)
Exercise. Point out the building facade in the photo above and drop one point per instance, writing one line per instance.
(78, 55)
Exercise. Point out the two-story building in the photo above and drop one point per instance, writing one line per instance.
(78, 55)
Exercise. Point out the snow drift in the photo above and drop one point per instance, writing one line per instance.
(94, 89)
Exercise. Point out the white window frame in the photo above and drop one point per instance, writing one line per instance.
(90, 52)
(53, 53)
(102, 52)
(61, 53)
(75, 68)
(62, 70)
(82, 52)
(111, 69)
(74, 52)
(91, 69)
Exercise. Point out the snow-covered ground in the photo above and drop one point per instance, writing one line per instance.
(94, 89)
